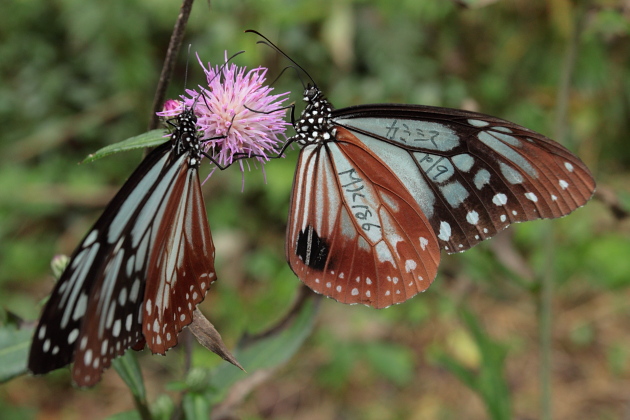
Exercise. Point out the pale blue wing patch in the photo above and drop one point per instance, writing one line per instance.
(411, 133)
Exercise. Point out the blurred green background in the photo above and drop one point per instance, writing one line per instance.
(76, 75)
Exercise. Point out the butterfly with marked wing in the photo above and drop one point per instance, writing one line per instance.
(140, 272)
(381, 189)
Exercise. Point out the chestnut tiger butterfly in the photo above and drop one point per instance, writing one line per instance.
(381, 189)
(140, 271)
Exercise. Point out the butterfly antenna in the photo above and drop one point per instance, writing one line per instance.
(186, 71)
(297, 72)
(275, 47)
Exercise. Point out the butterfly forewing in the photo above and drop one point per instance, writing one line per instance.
(472, 174)
(98, 258)
(357, 237)
(96, 309)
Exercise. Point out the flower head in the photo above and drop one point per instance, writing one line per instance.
(237, 115)
(171, 108)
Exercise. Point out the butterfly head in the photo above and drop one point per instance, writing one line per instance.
(314, 125)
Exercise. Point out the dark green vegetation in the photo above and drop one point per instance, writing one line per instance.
(79, 75)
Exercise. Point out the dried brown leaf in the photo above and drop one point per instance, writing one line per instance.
(209, 337)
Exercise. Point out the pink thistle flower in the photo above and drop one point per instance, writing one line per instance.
(172, 108)
(236, 114)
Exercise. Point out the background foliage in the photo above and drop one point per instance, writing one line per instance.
(77, 75)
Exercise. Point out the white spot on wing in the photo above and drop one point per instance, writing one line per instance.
(122, 297)
(478, 123)
(499, 199)
(463, 162)
(472, 217)
(482, 177)
(87, 357)
(135, 289)
(563, 184)
(511, 175)
(531, 196)
(72, 337)
(445, 231)
(117, 326)
(92, 237)
(42, 332)
(454, 193)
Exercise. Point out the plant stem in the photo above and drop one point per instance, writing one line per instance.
(177, 37)
(546, 326)
(547, 276)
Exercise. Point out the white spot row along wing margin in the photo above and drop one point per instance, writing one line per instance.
(473, 186)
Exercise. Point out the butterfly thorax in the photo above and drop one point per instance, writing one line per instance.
(185, 138)
(314, 125)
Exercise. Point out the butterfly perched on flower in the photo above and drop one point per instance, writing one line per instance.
(141, 270)
(381, 189)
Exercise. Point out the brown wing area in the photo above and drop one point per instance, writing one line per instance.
(181, 266)
(474, 174)
(355, 233)
(529, 177)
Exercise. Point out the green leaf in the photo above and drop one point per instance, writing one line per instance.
(14, 347)
(489, 379)
(393, 361)
(343, 357)
(268, 353)
(195, 406)
(608, 262)
(129, 370)
(149, 139)
(465, 375)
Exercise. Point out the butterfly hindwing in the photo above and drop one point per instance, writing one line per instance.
(355, 236)
(183, 260)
